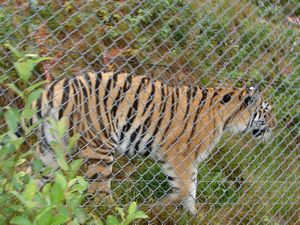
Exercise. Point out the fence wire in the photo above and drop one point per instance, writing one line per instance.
(180, 43)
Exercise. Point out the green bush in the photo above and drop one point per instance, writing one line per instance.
(22, 200)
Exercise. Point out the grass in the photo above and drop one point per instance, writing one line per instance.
(243, 182)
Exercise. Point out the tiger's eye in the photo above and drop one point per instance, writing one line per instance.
(226, 98)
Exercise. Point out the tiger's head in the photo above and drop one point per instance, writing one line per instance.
(246, 112)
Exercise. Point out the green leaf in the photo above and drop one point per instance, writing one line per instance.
(61, 127)
(96, 221)
(46, 189)
(60, 219)
(73, 200)
(26, 154)
(61, 180)
(74, 167)
(78, 184)
(40, 59)
(34, 96)
(21, 161)
(12, 117)
(3, 78)
(24, 69)
(27, 113)
(140, 215)
(111, 220)
(45, 217)
(16, 90)
(31, 55)
(19, 197)
(37, 165)
(59, 155)
(121, 212)
(80, 215)
(72, 142)
(8, 165)
(17, 53)
(6, 149)
(35, 86)
(83, 183)
(30, 190)
(3, 219)
(58, 189)
(61, 161)
(132, 208)
(20, 220)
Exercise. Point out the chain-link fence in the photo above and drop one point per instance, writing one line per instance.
(197, 43)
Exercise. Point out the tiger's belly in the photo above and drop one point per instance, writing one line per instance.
(134, 144)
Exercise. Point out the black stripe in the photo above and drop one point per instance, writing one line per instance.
(127, 83)
(115, 79)
(200, 106)
(39, 107)
(85, 142)
(107, 90)
(162, 109)
(71, 116)
(98, 106)
(76, 97)
(88, 81)
(198, 112)
(194, 93)
(171, 116)
(44, 140)
(83, 88)
(134, 134)
(86, 105)
(188, 103)
(98, 82)
(241, 95)
(177, 96)
(232, 116)
(145, 129)
(100, 177)
(147, 122)
(50, 94)
(65, 98)
(132, 113)
(116, 104)
(121, 95)
(188, 93)
(132, 139)
(216, 93)
(105, 99)
(150, 98)
(171, 178)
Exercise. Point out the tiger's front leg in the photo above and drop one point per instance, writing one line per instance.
(98, 172)
(182, 177)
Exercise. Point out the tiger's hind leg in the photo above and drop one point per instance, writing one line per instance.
(98, 172)
(182, 177)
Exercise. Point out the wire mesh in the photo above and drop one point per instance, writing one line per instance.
(182, 44)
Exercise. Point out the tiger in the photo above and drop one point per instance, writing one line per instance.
(127, 114)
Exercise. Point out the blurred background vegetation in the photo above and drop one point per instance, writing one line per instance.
(182, 42)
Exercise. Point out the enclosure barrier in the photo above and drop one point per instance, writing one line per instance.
(199, 43)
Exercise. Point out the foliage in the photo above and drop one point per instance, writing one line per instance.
(225, 41)
(126, 218)
(24, 200)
